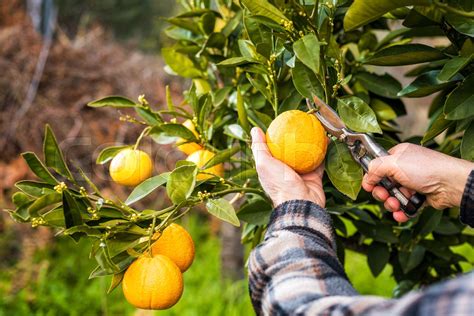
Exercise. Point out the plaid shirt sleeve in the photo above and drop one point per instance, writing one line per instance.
(467, 202)
(295, 271)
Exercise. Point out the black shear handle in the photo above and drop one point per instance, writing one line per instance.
(409, 206)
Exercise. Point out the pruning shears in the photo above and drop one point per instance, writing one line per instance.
(363, 149)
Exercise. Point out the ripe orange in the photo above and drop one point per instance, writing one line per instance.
(177, 244)
(153, 283)
(130, 167)
(297, 139)
(200, 158)
(189, 148)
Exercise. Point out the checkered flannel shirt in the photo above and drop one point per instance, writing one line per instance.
(295, 271)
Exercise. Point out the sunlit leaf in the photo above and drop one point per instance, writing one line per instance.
(113, 101)
(222, 209)
(358, 115)
(53, 156)
(147, 187)
(109, 153)
(38, 167)
(460, 103)
(408, 54)
(181, 182)
(307, 51)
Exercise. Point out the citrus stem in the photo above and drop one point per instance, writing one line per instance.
(237, 190)
(446, 7)
(143, 133)
(152, 232)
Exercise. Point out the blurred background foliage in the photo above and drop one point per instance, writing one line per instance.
(137, 21)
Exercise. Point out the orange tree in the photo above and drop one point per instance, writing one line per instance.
(250, 60)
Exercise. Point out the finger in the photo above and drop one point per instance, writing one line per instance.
(407, 192)
(259, 146)
(400, 217)
(366, 186)
(392, 204)
(380, 193)
(317, 174)
(379, 168)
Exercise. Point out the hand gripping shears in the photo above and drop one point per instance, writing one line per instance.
(363, 149)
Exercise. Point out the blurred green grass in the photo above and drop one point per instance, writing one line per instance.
(60, 285)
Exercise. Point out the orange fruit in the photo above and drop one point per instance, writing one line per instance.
(130, 167)
(177, 244)
(200, 158)
(189, 148)
(153, 283)
(298, 139)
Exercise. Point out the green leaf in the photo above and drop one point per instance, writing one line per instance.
(452, 67)
(113, 101)
(222, 209)
(305, 81)
(221, 156)
(439, 125)
(410, 260)
(463, 25)
(20, 199)
(248, 50)
(383, 85)
(362, 12)
(408, 54)
(115, 282)
(148, 116)
(467, 144)
(460, 102)
(105, 262)
(178, 130)
(307, 51)
(71, 209)
(377, 257)
(38, 168)
(358, 115)
(236, 131)
(426, 84)
(44, 201)
(236, 61)
(33, 188)
(383, 111)
(53, 157)
(119, 262)
(180, 63)
(344, 173)
(256, 212)
(242, 112)
(146, 187)
(208, 20)
(264, 8)
(109, 153)
(384, 233)
(427, 222)
(181, 183)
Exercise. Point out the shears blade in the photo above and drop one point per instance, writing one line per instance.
(327, 116)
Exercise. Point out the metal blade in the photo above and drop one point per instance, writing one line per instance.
(328, 117)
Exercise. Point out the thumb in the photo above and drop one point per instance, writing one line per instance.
(259, 146)
(379, 168)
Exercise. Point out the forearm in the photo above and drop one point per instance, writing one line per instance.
(297, 263)
(295, 271)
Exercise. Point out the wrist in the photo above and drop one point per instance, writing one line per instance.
(455, 181)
